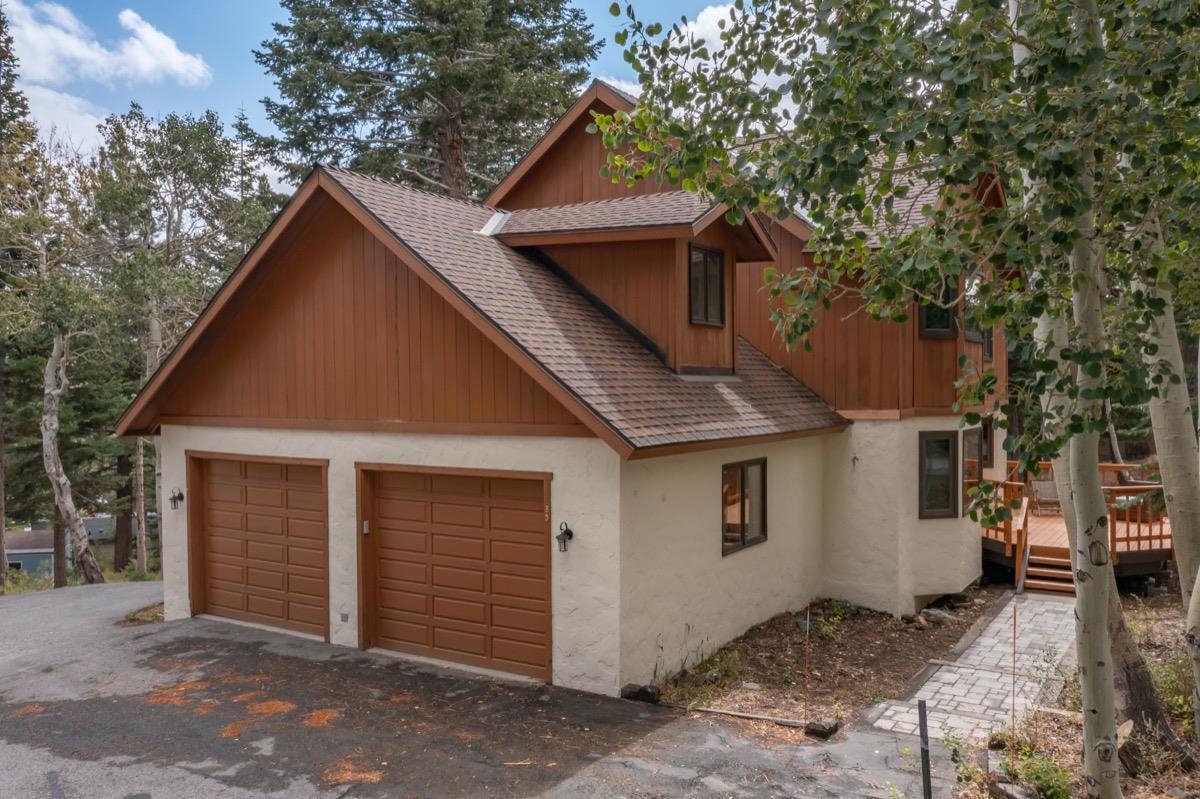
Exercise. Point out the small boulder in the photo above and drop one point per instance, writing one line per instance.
(915, 619)
(642, 693)
(824, 729)
(937, 616)
(713, 676)
(751, 686)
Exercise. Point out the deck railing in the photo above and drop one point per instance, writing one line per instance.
(1014, 530)
(1135, 522)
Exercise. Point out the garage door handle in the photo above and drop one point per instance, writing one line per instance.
(366, 527)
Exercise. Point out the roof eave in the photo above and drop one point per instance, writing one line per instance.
(663, 450)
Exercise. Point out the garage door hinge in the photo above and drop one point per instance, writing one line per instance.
(547, 513)
(366, 526)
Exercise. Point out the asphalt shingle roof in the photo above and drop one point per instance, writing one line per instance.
(585, 351)
(648, 210)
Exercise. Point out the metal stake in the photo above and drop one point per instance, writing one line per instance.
(926, 776)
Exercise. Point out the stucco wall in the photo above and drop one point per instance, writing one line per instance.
(680, 598)
(875, 550)
(585, 492)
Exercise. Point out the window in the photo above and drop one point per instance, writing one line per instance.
(706, 276)
(988, 433)
(939, 320)
(974, 332)
(743, 504)
(936, 467)
(972, 461)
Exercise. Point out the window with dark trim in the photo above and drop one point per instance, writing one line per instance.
(988, 433)
(972, 461)
(939, 320)
(706, 277)
(937, 468)
(743, 504)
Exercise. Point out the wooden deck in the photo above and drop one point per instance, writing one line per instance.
(1050, 532)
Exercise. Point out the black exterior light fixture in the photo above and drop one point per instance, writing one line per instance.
(176, 498)
(565, 534)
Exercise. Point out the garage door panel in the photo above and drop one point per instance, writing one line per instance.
(458, 546)
(530, 554)
(466, 575)
(531, 521)
(464, 579)
(458, 515)
(457, 484)
(460, 641)
(460, 609)
(403, 540)
(403, 570)
(261, 523)
(514, 618)
(264, 560)
(404, 631)
(517, 586)
(402, 510)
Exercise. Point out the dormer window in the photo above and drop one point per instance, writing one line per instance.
(706, 276)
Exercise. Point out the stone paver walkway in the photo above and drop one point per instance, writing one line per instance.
(974, 694)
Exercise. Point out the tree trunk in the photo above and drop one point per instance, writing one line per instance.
(1178, 461)
(54, 384)
(139, 501)
(60, 555)
(453, 170)
(1091, 561)
(1114, 443)
(3, 469)
(154, 346)
(123, 528)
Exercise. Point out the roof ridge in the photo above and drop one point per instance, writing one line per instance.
(403, 186)
(607, 200)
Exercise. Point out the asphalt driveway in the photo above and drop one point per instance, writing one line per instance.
(201, 708)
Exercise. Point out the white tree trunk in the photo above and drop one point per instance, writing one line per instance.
(1114, 443)
(1179, 463)
(154, 345)
(54, 383)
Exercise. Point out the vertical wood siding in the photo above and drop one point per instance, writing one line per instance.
(337, 329)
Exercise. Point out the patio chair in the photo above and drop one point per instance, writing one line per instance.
(1045, 498)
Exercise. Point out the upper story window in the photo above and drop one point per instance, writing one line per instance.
(743, 504)
(974, 332)
(937, 468)
(706, 277)
(972, 461)
(939, 320)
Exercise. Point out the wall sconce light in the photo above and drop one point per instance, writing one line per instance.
(565, 534)
(176, 498)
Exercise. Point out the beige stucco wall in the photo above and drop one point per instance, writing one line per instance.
(876, 552)
(585, 492)
(680, 598)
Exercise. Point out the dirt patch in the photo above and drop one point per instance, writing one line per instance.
(346, 770)
(833, 660)
(321, 718)
(176, 694)
(270, 708)
(151, 614)
(234, 729)
(25, 711)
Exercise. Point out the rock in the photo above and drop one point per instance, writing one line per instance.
(957, 600)
(1005, 789)
(641, 693)
(916, 620)
(1176, 793)
(803, 625)
(713, 676)
(789, 723)
(937, 616)
(751, 686)
(822, 728)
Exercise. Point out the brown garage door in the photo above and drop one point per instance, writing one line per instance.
(458, 568)
(264, 540)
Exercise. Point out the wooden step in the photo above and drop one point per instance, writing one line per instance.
(1056, 586)
(1049, 573)
(1043, 560)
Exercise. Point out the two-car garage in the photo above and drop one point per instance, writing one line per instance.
(453, 564)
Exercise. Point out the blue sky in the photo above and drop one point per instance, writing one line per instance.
(83, 59)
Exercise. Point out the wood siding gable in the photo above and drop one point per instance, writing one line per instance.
(339, 333)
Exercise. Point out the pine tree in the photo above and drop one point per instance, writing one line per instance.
(442, 94)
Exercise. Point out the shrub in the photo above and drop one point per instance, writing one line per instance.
(1049, 779)
(1172, 678)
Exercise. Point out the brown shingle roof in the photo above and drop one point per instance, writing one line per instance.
(29, 539)
(623, 384)
(663, 209)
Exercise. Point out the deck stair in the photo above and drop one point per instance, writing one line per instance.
(1049, 570)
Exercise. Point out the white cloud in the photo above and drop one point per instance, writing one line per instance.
(628, 86)
(71, 119)
(55, 48)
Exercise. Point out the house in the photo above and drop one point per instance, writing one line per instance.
(31, 551)
(550, 434)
